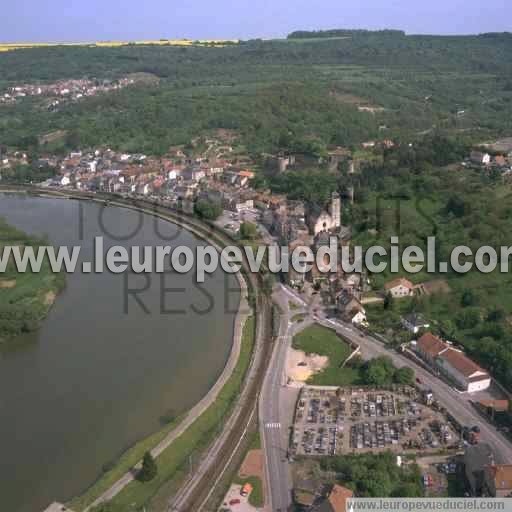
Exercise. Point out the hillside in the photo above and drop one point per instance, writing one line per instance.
(275, 94)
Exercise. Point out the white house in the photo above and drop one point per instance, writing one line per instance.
(248, 204)
(359, 318)
(351, 309)
(144, 189)
(452, 363)
(215, 170)
(468, 375)
(399, 288)
(193, 174)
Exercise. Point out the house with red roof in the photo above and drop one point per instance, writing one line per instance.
(452, 363)
(336, 501)
(399, 288)
(498, 480)
(494, 405)
(465, 372)
(429, 347)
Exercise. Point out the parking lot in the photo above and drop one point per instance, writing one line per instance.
(331, 421)
(230, 221)
(436, 472)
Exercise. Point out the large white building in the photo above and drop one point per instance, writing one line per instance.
(399, 288)
(465, 372)
(453, 364)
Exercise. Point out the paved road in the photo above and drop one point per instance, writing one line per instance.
(277, 471)
(236, 428)
(272, 420)
(458, 404)
(274, 401)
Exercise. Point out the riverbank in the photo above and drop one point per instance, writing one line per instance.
(147, 368)
(189, 434)
(193, 431)
(25, 298)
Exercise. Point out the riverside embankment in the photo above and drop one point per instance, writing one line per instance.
(142, 364)
(219, 453)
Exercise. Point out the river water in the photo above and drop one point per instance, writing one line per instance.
(105, 367)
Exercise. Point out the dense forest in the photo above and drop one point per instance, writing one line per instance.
(414, 194)
(311, 34)
(277, 94)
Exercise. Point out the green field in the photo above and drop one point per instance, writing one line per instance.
(317, 339)
(256, 499)
(25, 298)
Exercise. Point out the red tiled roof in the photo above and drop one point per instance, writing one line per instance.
(462, 363)
(431, 345)
(397, 282)
(497, 405)
(502, 476)
(338, 498)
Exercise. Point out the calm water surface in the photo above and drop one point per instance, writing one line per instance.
(96, 378)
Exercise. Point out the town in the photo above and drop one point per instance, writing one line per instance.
(61, 92)
(328, 413)
(255, 257)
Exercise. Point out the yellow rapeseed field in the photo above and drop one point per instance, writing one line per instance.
(5, 47)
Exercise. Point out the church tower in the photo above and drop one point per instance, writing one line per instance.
(336, 210)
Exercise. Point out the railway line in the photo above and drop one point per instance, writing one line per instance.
(196, 492)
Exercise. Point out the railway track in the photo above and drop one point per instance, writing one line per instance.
(196, 492)
(197, 496)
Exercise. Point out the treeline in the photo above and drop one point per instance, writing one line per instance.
(27, 174)
(310, 34)
(397, 174)
(381, 372)
(413, 195)
(375, 476)
(388, 48)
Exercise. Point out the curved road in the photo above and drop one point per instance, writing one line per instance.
(274, 422)
(457, 403)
